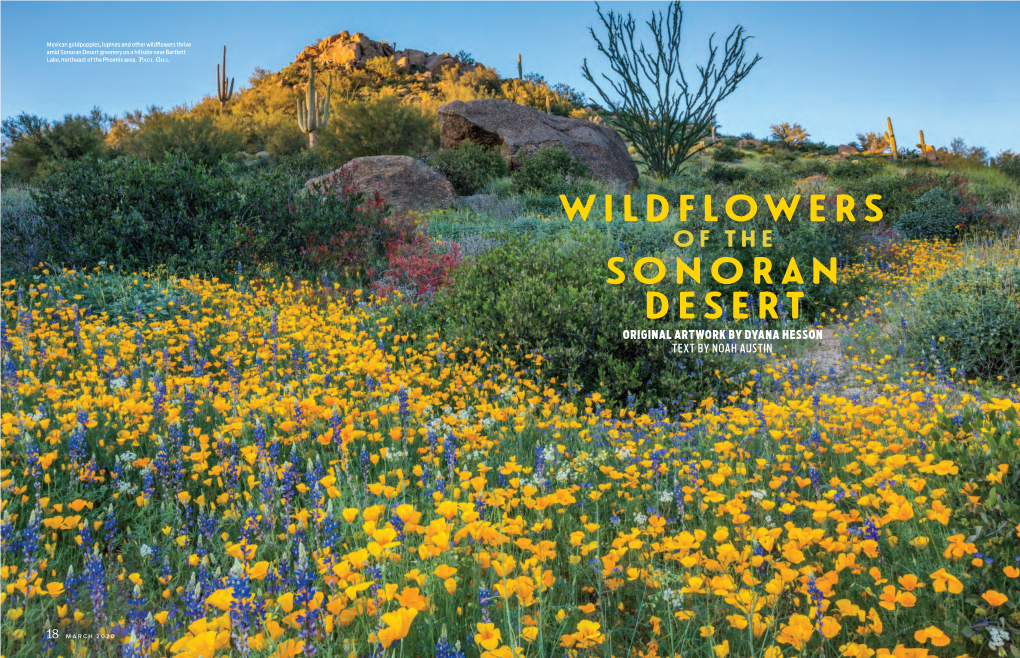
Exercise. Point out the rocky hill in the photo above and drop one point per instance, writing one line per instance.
(345, 51)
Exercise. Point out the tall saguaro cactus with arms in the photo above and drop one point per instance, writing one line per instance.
(223, 92)
(313, 110)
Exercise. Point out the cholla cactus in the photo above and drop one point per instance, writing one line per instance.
(313, 111)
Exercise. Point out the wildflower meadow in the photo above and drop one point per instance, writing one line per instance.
(271, 468)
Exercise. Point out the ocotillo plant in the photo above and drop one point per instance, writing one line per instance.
(313, 111)
(520, 69)
(890, 137)
(223, 92)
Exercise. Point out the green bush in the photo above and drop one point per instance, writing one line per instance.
(1008, 163)
(198, 138)
(727, 153)
(897, 197)
(720, 173)
(551, 298)
(935, 215)
(380, 126)
(977, 312)
(139, 215)
(22, 232)
(548, 171)
(469, 167)
(33, 147)
(848, 170)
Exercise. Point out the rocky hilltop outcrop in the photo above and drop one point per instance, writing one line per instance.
(345, 51)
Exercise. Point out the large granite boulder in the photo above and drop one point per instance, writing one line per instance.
(847, 150)
(401, 181)
(517, 130)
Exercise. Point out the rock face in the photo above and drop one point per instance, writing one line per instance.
(749, 142)
(846, 149)
(519, 130)
(401, 181)
(347, 51)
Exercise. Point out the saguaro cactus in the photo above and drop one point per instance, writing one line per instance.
(520, 69)
(223, 92)
(890, 137)
(313, 111)
(927, 150)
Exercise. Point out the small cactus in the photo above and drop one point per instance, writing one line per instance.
(890, 137)
(520, 69)
(223, 91)
(313, 111)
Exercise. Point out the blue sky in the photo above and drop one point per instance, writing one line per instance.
(948, 68)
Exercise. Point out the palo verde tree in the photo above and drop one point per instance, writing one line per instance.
(652, 102)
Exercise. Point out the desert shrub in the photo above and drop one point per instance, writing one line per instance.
(897, 198)
(418, 264)
(977, 313)
(791, 134)
(935, 215)
(32, 147)
(766, 179)
(848, 170)
(380, 126)
(720, 173)
(550, 298)
(469, 166)
(992, 194)
(1008, 163)
(138, 215)
(198, 138)
(308, 163)
(809, 166)
(548, 170)
(727, 153)
(383, 68)
(284, 137)
(22, 232)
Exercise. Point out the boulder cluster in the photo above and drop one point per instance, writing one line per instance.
(349, 51)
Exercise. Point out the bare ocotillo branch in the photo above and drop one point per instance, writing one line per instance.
(653, 104)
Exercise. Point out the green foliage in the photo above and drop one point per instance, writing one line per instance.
(139, 215)
(381, 126)
(383, 68)
(469, 167)
(727, 154)
(548, 170)
(198, 138)
(550, 298)
(720, 173)
(22, 231)
(977, 312)
(32, 147)
(537, 94)
(789, 133)
(847, 170)
(895, 191)
(1000, 498)
(103, 290)
(283, 137)
(935, 215)
(1008, 163)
